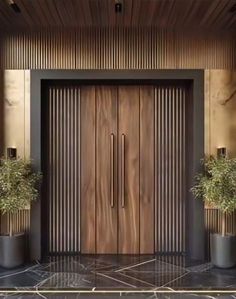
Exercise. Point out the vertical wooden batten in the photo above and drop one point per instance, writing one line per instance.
(61, 168)
(170, 169)
(116, 48)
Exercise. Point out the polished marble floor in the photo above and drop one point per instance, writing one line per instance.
(120, 296)
(129, 276)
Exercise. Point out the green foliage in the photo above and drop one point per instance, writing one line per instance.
(217, 184)
(18, 185)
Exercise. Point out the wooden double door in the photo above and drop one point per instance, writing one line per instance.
(117, 169)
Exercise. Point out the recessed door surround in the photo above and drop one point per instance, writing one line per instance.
(115, 163)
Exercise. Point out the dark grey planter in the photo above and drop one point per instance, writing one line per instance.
(223, 250)
(12, 250)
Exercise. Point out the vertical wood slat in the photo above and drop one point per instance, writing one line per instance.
(115, 48)
(170, 169)
(63, 169)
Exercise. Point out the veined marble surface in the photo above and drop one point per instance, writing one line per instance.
(119, 276)
(220, 111)
(17, 111)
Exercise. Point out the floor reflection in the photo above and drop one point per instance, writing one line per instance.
(121, 273)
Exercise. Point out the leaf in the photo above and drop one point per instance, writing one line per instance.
(216, 183)
(19, 185)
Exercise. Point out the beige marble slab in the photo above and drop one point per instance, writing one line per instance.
(17, 111)
(220, 111)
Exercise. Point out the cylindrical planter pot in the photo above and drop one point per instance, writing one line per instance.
(12, 250)
(223, 250)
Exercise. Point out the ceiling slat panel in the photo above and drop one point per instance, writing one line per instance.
(170, 14)
(127, 15)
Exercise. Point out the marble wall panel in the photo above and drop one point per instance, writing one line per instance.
(220, 111)
(16, 97)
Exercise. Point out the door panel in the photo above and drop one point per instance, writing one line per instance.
(129, 126)
(76, 160)
(88, 166)
(106, 169)
(147, 169)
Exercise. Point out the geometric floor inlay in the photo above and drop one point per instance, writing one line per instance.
(130, 276)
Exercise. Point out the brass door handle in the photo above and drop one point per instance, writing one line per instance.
(112, 170)
(123, 170)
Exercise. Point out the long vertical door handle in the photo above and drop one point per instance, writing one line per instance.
(112, 170)
(123, 170)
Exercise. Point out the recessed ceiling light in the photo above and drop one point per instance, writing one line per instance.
(118, 7)
(14, 6)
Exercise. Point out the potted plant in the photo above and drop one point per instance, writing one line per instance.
(18, 187)
(217, 186)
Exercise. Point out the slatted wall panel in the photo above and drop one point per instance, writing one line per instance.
(213, 225)
(170, 168)
(20, 220)
(63, 167)
(116, 48)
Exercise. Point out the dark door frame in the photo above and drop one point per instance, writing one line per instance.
(195, 208)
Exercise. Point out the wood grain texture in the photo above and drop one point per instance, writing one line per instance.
(129, 126)
(116, 48)
(88, 170)
(200, 14)
(147, 226)
(106, 124)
